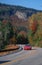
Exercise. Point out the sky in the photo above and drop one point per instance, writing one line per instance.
(36, 4)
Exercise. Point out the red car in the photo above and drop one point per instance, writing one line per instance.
(27, 47)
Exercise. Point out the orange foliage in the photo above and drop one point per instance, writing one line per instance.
(34, 26)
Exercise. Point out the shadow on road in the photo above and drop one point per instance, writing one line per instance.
(4, 61)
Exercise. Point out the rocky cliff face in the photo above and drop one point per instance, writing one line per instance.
(21, 15)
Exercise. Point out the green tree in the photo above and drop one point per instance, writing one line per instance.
(8, 32)
(1, 34)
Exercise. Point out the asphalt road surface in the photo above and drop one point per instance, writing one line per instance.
(24, 57)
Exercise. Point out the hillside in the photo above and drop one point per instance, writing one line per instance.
(11, 10)
(17, 15)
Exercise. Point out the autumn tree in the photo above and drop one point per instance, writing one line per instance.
(35, 28)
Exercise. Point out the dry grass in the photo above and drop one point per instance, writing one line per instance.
(11, 46)
(8, 47)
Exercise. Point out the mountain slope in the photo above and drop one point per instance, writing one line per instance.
(21, 12)
(17, 15)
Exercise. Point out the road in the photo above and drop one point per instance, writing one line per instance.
(24, 57)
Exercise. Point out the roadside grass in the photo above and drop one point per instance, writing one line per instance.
(9, 49)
